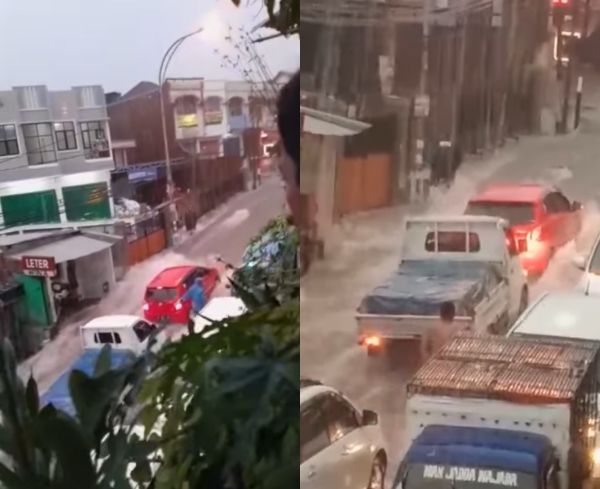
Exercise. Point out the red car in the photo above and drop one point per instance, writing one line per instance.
(541, 218)
(164, 292)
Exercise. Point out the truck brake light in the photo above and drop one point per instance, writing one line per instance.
(373, 341)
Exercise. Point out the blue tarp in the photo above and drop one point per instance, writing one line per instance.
(420, 287)
(58, 394)
(480, 447)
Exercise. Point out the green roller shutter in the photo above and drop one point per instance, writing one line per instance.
(36, 300)
(87, 202)
(31, 208)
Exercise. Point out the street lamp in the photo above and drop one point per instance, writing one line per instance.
(164, 65)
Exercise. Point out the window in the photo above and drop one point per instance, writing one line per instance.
(236, 106)
(185, 105)
(117, 338)
(556, 203)
(341, 416)
(39, 143)
(212, 104)
(514, 212)
(452, 241)
(65, 136)
(143, 329)
(313, 432)
(9, 145)
(167, 294)
(103, 338)
(94, 139)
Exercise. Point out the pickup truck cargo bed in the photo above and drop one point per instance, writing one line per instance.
(509, 369)
(419, 287)
(58, 394)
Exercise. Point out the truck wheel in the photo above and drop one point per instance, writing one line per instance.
(524, 302)
(377, 479)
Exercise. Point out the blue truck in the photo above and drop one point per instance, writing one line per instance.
(129, 336)
(495, 412)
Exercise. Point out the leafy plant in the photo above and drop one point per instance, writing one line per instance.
(269, 265)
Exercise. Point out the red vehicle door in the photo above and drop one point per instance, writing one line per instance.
(551, 233)
(570, 217)
(564, 219)
(210, 277)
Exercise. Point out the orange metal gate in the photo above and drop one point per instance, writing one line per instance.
(363, 183)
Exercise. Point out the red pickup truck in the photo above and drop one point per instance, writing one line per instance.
(542, 219)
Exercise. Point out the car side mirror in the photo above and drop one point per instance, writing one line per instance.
(579, 261)
(370, 418)
(576, 206)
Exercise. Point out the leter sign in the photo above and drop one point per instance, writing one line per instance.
(38, 266)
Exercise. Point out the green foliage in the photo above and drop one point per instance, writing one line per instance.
(269, 265)
(228, 402)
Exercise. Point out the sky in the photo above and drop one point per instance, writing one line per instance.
(117, 43)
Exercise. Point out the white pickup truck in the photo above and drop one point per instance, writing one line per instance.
(128, 336)
(464, 260)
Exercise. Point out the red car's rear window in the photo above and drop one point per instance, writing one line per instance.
(165, 294)
(516, 213)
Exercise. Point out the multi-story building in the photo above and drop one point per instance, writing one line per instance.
(201, 115)
(55, 155)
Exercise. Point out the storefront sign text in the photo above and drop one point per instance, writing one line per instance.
(38, 266)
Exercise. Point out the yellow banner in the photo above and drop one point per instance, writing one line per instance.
(187, 120)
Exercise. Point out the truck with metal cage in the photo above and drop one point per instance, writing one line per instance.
(495, 412)
(460, 259)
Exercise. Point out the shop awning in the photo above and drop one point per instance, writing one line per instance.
(326, 124)
(66, 249)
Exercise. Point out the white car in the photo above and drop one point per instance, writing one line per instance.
(218, 309)
(340, 446)
(560, 315)
(590, 281)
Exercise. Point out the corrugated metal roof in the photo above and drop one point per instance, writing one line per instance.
(506, 368)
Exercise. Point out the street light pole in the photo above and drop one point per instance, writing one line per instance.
(164, 65)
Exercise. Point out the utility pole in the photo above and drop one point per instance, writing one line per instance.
(162, 73)
(570, 67)
(457, 92)
(421, 107)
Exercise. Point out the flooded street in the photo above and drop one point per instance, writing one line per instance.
(368, 252)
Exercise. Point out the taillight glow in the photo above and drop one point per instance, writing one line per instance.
(373, 341)
(535, 235)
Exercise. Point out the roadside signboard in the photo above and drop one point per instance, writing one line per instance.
(38, 266)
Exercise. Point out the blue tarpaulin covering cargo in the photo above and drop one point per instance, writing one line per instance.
(419, 288)
(58, 394)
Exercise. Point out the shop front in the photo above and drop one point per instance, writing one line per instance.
(63, 275)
